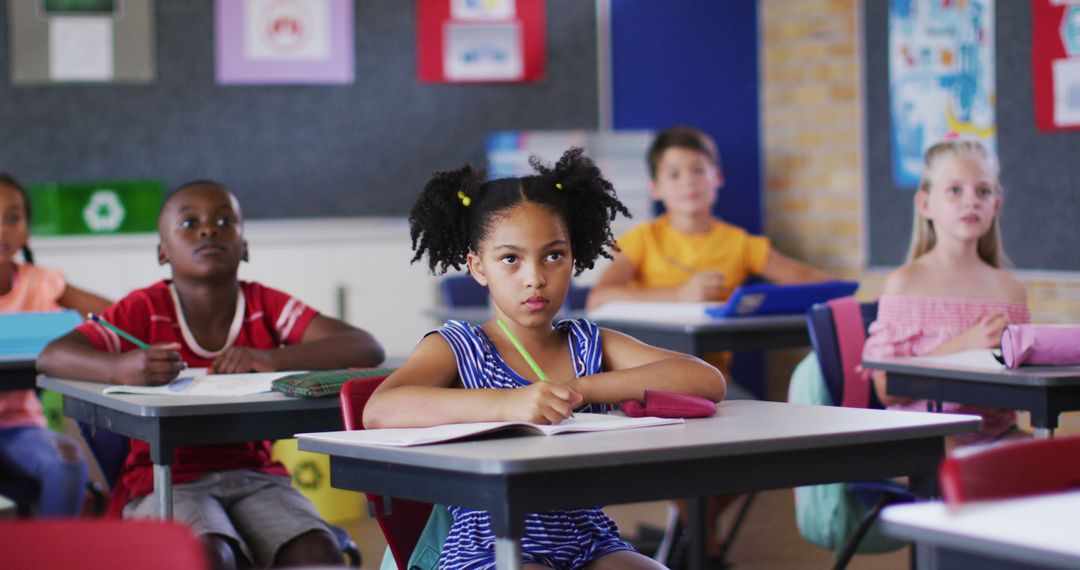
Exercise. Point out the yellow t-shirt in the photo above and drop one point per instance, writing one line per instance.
(665, 257)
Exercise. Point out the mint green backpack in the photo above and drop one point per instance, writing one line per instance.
(426, 554)
(828, 514)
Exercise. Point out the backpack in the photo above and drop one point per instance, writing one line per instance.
(828, 514)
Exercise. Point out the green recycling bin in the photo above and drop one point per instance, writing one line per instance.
(112, 207)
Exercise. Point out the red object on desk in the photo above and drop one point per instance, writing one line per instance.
(663, 404)
(1012, 469)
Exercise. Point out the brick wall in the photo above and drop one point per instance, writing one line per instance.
(811, 117)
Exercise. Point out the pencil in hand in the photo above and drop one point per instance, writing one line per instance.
(117, 330)
(524, 353)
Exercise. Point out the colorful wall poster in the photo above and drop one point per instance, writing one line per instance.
(285, 41)
(480, 40)
(941, 78)
(78, 41)
(1055, 63)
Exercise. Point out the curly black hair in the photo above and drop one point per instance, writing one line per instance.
(456, 209)
(12, 182)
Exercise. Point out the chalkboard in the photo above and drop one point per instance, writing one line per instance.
(1040, 170)
(364, 149)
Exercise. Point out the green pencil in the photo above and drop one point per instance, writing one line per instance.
(524, 353)
(116, 330)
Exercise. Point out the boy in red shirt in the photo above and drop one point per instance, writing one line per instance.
(233, 495)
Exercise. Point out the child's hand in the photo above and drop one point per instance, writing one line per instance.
(540, 403)
(704, 286)
(152, 366)
(987, 332)
(239, 359)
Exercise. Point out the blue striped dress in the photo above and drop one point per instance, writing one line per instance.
(557, 539)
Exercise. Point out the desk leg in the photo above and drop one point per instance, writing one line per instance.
(507, 553)
(696, 509)
(163, 489)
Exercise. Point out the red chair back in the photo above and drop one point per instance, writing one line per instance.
(402, 521)
(104, 544)
(1012, 469)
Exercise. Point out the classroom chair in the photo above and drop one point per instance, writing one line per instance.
(100, 544)
(402, 521)
(1011, 469)
(109, 450)
(576, 297)
(459, 291)
(837, 331)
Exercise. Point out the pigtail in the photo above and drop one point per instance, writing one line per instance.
(587, 200)
(439, 220)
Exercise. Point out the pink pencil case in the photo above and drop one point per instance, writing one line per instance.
(663, 404)
(1040, 345)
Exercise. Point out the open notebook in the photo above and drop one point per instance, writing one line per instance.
(196, 382)
(406, 437)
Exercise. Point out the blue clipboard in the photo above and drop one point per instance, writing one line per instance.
(28, 333)
(769, 299)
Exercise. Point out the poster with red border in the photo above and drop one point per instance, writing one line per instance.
(480, 41)
(1055, 63)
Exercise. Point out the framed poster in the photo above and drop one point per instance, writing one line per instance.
(81, 41)
(480, 40)
(285, 41)
(941, 78)
(1055, 63)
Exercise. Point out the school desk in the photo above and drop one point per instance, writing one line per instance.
(166, 422)
(746, 446)
(17, 371)
(1029, 532)
(703, 335)
(1044, 392)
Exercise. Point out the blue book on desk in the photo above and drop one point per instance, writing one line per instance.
(25, 334)
(769, 299)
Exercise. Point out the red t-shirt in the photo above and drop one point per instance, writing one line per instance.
(266, 318)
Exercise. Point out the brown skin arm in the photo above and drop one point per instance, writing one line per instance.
(327, 343)
(632, 366)
(82, 301)
(72, 356)
(424, 392)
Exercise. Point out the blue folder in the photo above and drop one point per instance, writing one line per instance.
(769, 299)
(25, 334)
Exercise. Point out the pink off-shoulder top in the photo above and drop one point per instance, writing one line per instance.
(915, 326)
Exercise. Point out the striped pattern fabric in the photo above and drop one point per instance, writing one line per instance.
(557, 539)
(916, 326)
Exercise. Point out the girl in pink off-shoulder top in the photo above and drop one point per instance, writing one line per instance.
(952, 294)
(917, 326)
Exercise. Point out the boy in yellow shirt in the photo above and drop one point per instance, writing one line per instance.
(689, 255)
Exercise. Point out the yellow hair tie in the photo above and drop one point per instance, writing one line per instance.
(558, 185)
(464, 199)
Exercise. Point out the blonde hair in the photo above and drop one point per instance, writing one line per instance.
(923, 236)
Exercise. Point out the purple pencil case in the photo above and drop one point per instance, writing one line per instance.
(664, 404)
(1040, 345)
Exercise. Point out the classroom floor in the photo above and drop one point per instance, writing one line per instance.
(768, 539)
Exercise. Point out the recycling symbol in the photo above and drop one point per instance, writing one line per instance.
(1070, 30)
(104, 212)
(307, 476)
